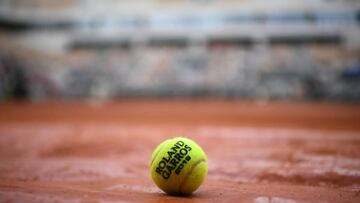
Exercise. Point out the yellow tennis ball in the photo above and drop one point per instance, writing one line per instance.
(178, 166)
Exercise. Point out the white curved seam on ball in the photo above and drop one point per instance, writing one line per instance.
(157, 153)
(189, 172)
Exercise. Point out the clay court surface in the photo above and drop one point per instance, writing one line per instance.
(257, 152)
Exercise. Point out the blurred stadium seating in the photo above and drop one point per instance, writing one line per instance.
(283, 49)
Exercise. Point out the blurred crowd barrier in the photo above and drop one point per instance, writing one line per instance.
(255, 49)
(265, 71)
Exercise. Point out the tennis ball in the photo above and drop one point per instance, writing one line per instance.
(178, 166)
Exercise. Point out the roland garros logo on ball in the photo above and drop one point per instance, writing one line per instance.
(176, 159)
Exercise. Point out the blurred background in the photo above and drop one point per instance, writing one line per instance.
(253, 49)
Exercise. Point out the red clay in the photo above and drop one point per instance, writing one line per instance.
(258, 152)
